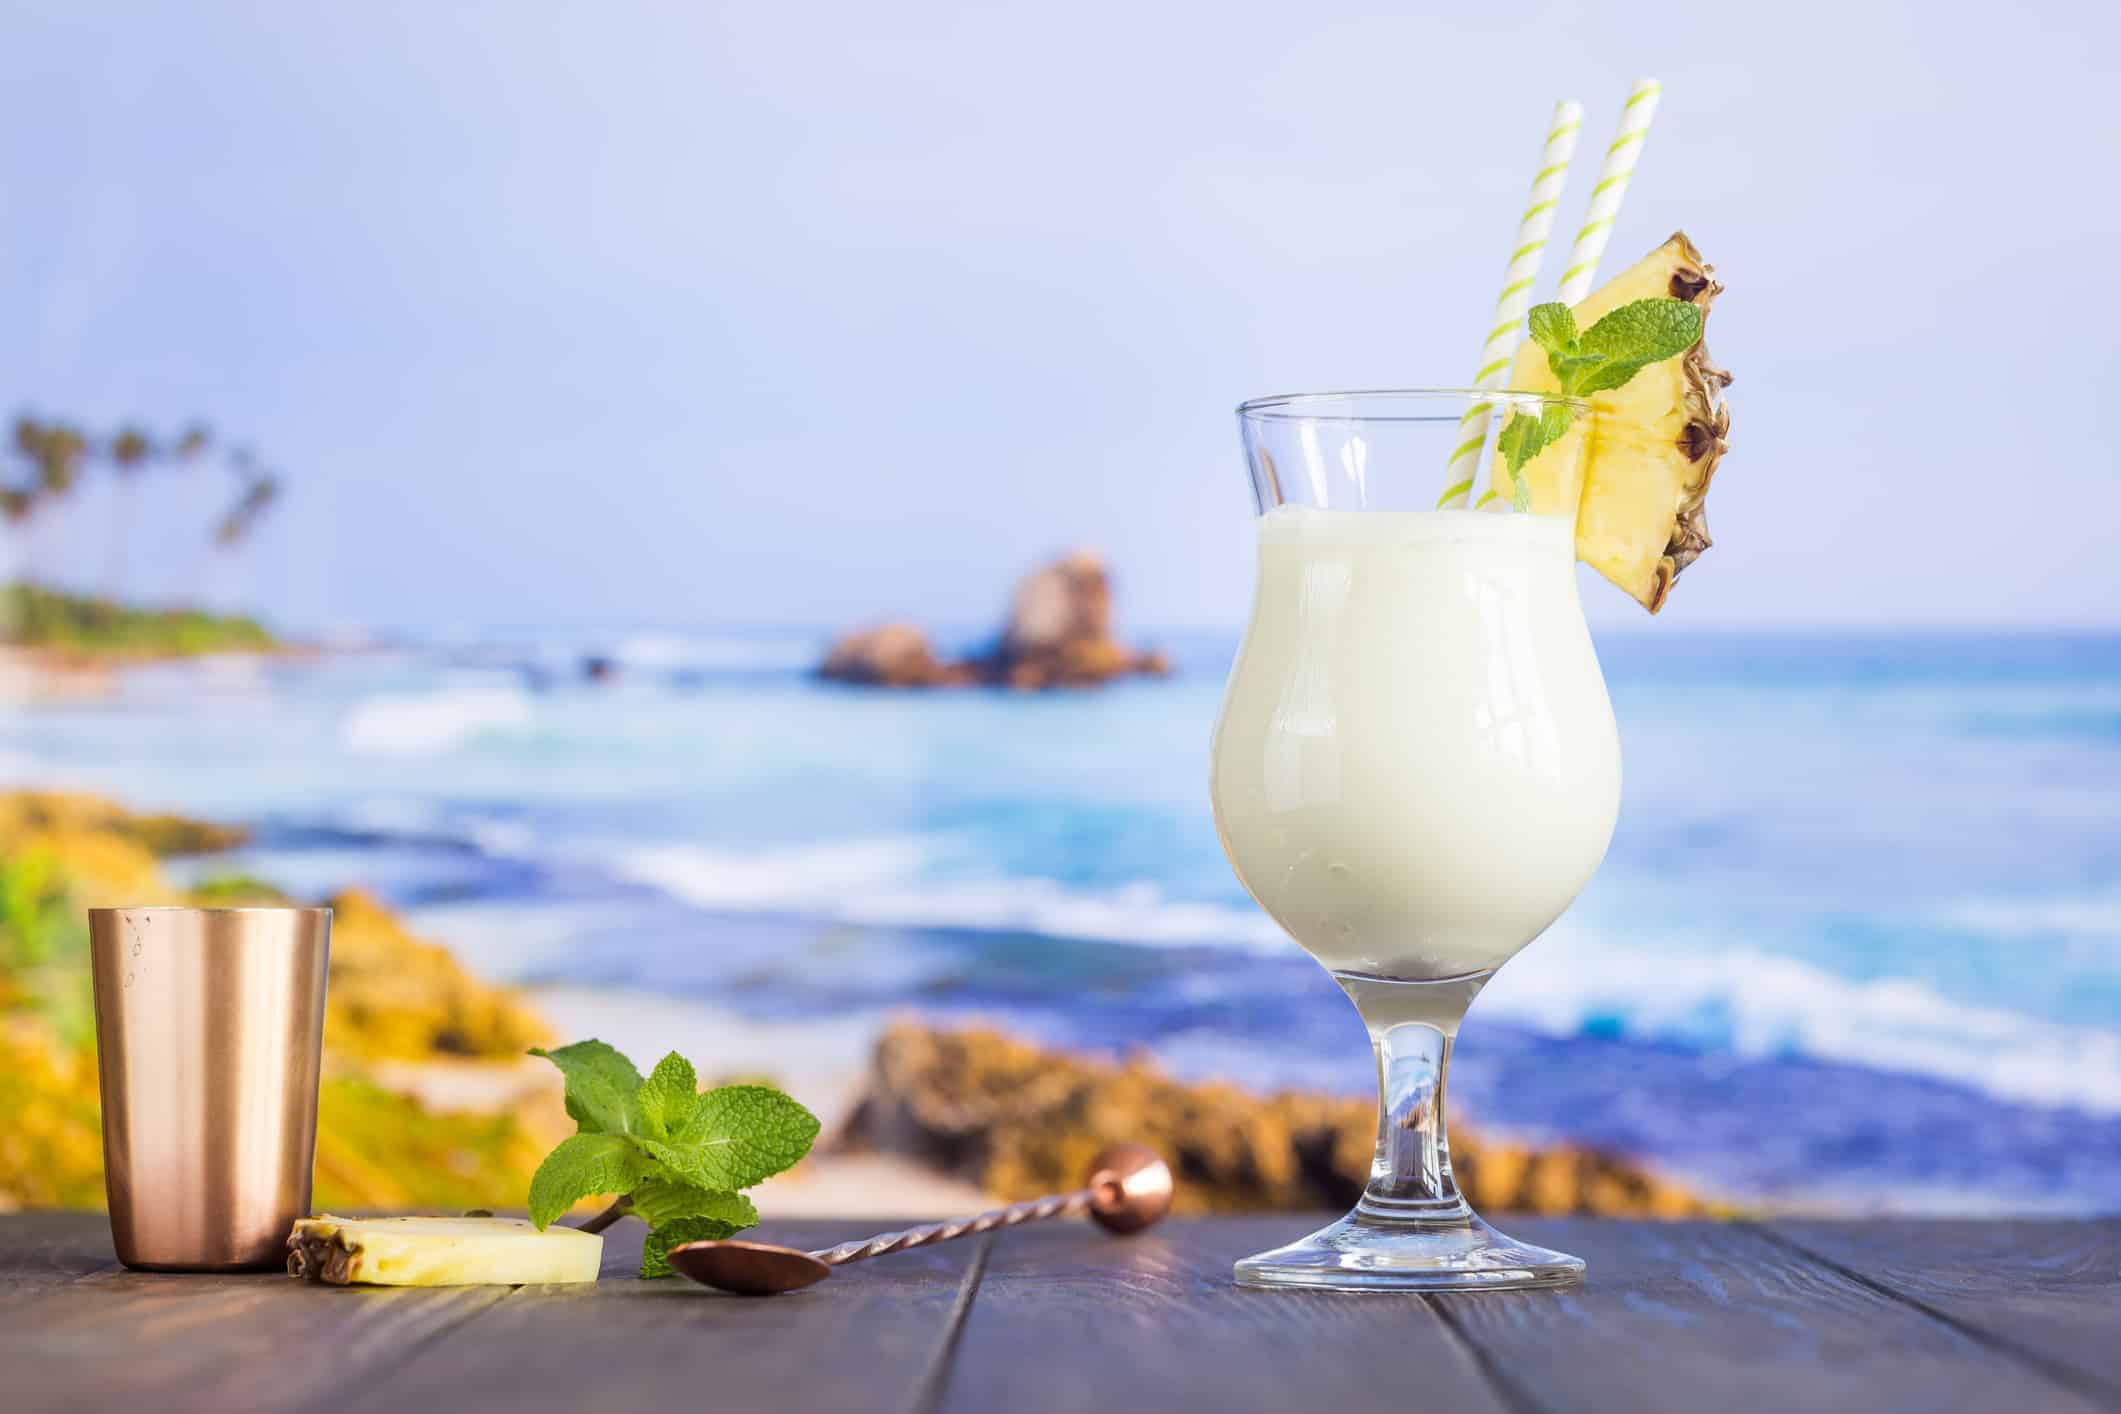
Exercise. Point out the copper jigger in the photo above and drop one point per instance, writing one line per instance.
(1128, 1188)
(209, 1038)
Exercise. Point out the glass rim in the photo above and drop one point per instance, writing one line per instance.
(1309, 407)
(212, 908)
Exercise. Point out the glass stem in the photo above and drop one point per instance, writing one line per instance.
(1410, 1179)
(1412, 1025)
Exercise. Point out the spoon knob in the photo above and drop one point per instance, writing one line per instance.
(1130, 1188)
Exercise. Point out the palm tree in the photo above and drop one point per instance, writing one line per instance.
(50, 457)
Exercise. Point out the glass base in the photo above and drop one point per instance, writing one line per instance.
(1363, 1252)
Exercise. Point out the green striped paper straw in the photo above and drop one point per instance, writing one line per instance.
(1620, 159)
(1516, 297)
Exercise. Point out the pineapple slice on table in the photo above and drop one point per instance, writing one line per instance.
(473, 1251)
(1636, 471)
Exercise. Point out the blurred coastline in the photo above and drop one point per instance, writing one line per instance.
(1854, 946)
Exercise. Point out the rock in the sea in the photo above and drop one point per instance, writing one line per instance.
(1058, 634)
(1021, 1121)
(895, 655)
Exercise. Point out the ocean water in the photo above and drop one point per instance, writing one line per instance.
(1857, 941)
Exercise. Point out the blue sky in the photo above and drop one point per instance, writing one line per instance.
(812, 314)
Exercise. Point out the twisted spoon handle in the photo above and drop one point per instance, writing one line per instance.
(1054, 1205)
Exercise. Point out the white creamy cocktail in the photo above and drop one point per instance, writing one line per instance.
(1414, 773)
(1416, 768)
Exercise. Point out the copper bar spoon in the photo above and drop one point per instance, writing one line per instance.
(1129, 1187)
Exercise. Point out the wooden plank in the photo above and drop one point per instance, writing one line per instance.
(2021, 1316)
(86, 1334)
(2048, 1291)
(863, 1339)
(38, 1250)
(1694, 1316)
(1069, 1318)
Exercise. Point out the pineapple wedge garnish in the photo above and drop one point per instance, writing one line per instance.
(1636, 473)
(440, 1252)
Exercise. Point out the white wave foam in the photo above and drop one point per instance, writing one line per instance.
(1757, 1004)
(1704, 995)
(432, 723)
(803, 879)
(1133, 913)
(878, 881)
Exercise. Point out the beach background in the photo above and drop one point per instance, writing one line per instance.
(609, 367)
(1855, 941)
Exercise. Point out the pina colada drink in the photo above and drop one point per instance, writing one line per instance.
(1416, 767)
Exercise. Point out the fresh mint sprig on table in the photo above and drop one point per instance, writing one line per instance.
(671, 1155)
(1602, 357)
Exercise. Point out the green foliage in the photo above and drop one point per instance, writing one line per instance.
(658, 1201)
(1553, 327)
(678, 1156)
(223, 889)
(655, 1248)
(44, 945)
(583, 1166)
(1603, 357)
(1645, 332)
(666, 1098)
(380, 1149)
(600, 1086)
(36, 617)
(738, 1135)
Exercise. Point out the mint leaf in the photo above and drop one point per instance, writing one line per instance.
(1606, 377)
(1524, 437)
(737, 1136)
(666, 1098)
(661, 1200)
(583, 1166)
(1553, 327)
(1572, 368)
(600, 1085)
(1647, 331)
(655, 1248)
(1517, 442)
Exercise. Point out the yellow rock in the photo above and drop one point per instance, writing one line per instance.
(1022, 1121)
(392, 998)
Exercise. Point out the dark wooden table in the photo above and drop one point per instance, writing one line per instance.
(1786, 1316)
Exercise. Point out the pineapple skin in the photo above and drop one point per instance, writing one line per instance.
(1635, 474)
(440, 1252)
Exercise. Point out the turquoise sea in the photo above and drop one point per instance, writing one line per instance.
(1858, 939)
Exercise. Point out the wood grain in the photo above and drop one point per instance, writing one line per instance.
(1711, 1316)
(108, 1338)
(868, 1341)
(42, 1250)
(2045, 1291)
(1070, 1318)
(1724, 1317)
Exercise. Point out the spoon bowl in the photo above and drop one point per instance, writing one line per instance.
(748, 1268)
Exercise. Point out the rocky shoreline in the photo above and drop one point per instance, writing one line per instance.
(429, 1102)
(1020, 1121)
(393, 1000)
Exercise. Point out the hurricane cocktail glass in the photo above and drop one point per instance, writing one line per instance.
(1415, 772)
